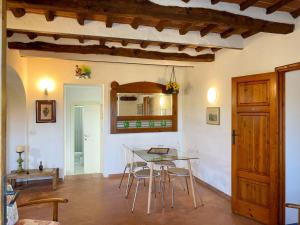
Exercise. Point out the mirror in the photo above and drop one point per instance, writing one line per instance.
(142, 107)
(138, 104)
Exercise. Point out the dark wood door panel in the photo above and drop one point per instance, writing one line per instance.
(254, 147)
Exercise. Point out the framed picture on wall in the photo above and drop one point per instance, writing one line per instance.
(45, 111)
(213, 115)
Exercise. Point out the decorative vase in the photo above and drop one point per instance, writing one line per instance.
(41, 167)
(20, 161)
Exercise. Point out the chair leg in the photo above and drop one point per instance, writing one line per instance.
(187, 185)
(130, 186)
(154, 186)
(135, 194)
(123, 176)
(128, 183)
(172, 183)
(162, 189)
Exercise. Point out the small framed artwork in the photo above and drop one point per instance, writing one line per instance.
(45, 111)
(213, 115)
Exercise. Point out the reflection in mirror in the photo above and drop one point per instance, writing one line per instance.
(138, 104)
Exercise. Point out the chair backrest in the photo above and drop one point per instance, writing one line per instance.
(11, 206)
(128, 154)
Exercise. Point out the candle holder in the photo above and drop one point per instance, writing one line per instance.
(20, 161)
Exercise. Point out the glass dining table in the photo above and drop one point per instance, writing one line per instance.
(172, 155)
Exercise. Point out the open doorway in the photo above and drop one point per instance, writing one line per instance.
(289, 111)
(83, 129)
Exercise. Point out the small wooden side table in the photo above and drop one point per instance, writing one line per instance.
(35, 173)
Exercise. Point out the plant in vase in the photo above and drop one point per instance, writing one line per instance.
(172, 86)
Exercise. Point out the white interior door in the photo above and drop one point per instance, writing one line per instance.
(91, 130)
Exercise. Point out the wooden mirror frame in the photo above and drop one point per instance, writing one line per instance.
(145, 88)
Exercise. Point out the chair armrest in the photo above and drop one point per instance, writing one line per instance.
(43, 201)
(54, 201)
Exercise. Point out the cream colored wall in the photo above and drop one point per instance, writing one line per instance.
(46, 141)
(263, 52)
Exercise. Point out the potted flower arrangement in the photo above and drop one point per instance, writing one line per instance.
(172, 86)
(83, 72)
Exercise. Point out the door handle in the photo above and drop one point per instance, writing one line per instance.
(234, 134)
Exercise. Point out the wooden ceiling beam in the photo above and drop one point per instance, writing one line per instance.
(49, 15)
(185, 28)
(98, 49)
(249, 34)
(135, 23)
(151, 12)
(199, 49)
(31, 35)
(80, 19)
(277, 6)
(213, 2)
(227, 33)
(182, 47)
(18, 12)
(124, 43)
(186, 1)
(108, 22)
(101, 39)
(296, 13)
(161, 25)
(215, 49)
(246, 4)
(207, 29)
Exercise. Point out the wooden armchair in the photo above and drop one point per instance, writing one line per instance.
(294, 206)
(12, 209)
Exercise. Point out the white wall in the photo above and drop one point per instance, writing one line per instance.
(292, 143)
(46, 141)
(16, 107)
(212, 144)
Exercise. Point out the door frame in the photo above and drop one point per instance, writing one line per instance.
(102, 105)
(281, 71)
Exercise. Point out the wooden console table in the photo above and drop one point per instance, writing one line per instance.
(35, 173)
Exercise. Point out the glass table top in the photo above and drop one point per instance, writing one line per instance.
(171, 156)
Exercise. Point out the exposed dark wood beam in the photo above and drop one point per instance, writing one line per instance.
(246, 4)
(108, 22)
(49, 15)
(161, 25)
(199, 49)
(182, 47)
(124, 42)
(135, 23)
(186, 1)
(185, 28)
(207, 29)
(277, 6)
(248, 34)
(145, 44)
(296, 13)
(213, 2)
(149, 11)
(215, 49)
(80, 19)
(98, 49)
(9, 33)
(31, 35)
(165, 45)
(18, 12)
(81, 40)
(101, 39)
(227, 33)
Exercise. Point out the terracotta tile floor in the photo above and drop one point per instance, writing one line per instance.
(94, 200)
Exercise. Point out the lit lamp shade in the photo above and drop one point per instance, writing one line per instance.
(212, 95)
(20, 149)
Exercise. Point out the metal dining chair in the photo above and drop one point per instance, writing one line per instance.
(130, 166)
(142, 175)
(178, 172)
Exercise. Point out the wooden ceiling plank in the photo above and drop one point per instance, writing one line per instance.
(207, 29)
(153, 12)
(277, 6)
(227, 33)
(296, 13)
(18, 12)
(247, 3)
(97, 49)
(49, 15)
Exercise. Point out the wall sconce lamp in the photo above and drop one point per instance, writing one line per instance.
(46, 85)
(212, 95)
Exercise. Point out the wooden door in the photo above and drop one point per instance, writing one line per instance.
(255, 148)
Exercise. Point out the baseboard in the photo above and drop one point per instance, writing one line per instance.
(212, 188)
